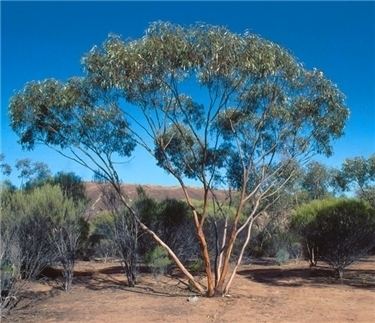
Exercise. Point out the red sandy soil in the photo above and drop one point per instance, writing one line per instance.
(262, 292)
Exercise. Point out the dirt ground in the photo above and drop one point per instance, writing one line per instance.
(262, 292)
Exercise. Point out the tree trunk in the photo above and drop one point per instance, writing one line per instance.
(131, 279)
(207, 261)
(219, 266)
(229, 247)
(226, 257)
(340, 273)
(129, 272)
(68, 275)
(239, 260)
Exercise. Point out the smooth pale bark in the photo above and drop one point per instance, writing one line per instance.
(239, 260)
(221, 251)
(229, 246)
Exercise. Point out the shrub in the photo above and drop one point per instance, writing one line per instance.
(197, 266)
(65, 235)
(10, 263)
(115, 233)
(157, 259)
(101, 238)
(304, 224)
(170, 219)
(282, 256)
(272, 235)
(341, 230)
(46, 227)
(25, 220)
(347, 232)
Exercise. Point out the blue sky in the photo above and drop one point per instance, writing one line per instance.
(46, 39)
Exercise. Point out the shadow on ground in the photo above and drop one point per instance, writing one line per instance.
(318, 276)
(110, 282)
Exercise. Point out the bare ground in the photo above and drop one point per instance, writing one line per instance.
(262, 292)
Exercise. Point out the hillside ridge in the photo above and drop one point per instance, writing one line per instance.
(155, 191)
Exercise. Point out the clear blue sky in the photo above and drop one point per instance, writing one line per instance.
(46, 39)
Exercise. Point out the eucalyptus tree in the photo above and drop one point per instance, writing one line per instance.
(32, 173)
(357, 174)
(71, 184)
(316, 180)
(5, 168)
(230, 111)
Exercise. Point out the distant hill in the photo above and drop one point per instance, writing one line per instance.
(158, 192)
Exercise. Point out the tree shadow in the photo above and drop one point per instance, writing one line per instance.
(105, 279)
(317, 276)
(28, 298)
(108, 279)
(263, 261)
(55, 273)
(118, 269)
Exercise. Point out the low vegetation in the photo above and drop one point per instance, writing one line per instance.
(39, 228)
(338, 231)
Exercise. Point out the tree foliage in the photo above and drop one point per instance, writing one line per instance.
(71, 185)
(356, 173)
(5, 168)
(31, 173)
(316, 181)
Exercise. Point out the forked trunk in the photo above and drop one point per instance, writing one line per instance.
(239, 260)
(226, 257)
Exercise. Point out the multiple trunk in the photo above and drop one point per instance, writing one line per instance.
(217, 283)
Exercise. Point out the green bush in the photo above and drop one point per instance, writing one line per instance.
(158, 261)
(171, 220)
(282, 256)
(340, 230)
(102, 236)
(197, 266)
(7, 273)
(268, 240)
(45, 225)
(304, 224)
